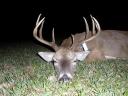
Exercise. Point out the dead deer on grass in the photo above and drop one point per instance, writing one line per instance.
(90, 45)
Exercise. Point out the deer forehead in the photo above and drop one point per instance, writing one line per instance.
(64, 54)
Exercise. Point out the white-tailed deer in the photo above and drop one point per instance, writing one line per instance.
(90, 45)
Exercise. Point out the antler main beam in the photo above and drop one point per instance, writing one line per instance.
(39, 24)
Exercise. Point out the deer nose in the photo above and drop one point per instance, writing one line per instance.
(64, 78)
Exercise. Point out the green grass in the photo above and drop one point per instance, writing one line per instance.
(23, 73)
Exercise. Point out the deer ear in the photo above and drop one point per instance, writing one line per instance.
(81, 55)
(47, 56)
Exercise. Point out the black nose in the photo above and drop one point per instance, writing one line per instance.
(64, 78)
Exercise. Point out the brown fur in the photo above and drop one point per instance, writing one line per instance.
(109, 43)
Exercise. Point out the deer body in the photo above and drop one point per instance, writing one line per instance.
(109, 44)
(89, 45)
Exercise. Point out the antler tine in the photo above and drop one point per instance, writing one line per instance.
(37, 21)
(53, 36)
(40, 38)
(37, 25)
(93, 26)
(87, 27)
(72, 37)
(97, 25)
(40, 30)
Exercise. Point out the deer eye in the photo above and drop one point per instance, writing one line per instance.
(55, 61)
(75, 61)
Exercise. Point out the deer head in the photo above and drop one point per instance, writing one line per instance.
(64, 58)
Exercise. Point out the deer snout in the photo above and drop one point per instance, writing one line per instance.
(64, 78)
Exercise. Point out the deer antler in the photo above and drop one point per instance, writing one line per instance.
(96, 24)
(39, 23)
(94, 34)
(72, 37)
(87, 27)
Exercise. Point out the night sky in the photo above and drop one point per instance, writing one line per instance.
(18, 20)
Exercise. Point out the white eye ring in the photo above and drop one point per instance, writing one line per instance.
(55, 63)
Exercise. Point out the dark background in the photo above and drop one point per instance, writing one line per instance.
(18, 18)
